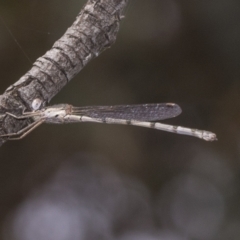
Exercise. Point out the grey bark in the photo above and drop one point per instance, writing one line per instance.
(94, 30)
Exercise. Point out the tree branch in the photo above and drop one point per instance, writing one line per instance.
(94, 30)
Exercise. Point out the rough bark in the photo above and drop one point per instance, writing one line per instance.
(94, 30)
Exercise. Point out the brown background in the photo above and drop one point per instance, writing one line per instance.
(185, 52)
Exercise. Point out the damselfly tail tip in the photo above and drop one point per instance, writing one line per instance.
(209, 136)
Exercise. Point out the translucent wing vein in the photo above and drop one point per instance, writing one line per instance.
(141, 112)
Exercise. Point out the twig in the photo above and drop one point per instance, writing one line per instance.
(94, 30)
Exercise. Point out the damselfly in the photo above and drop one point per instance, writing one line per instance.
(143, 115)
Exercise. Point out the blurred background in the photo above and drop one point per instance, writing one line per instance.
(91, 181)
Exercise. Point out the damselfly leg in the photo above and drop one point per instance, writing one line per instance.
(23, 132)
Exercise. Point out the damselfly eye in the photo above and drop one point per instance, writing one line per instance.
(36, 104)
